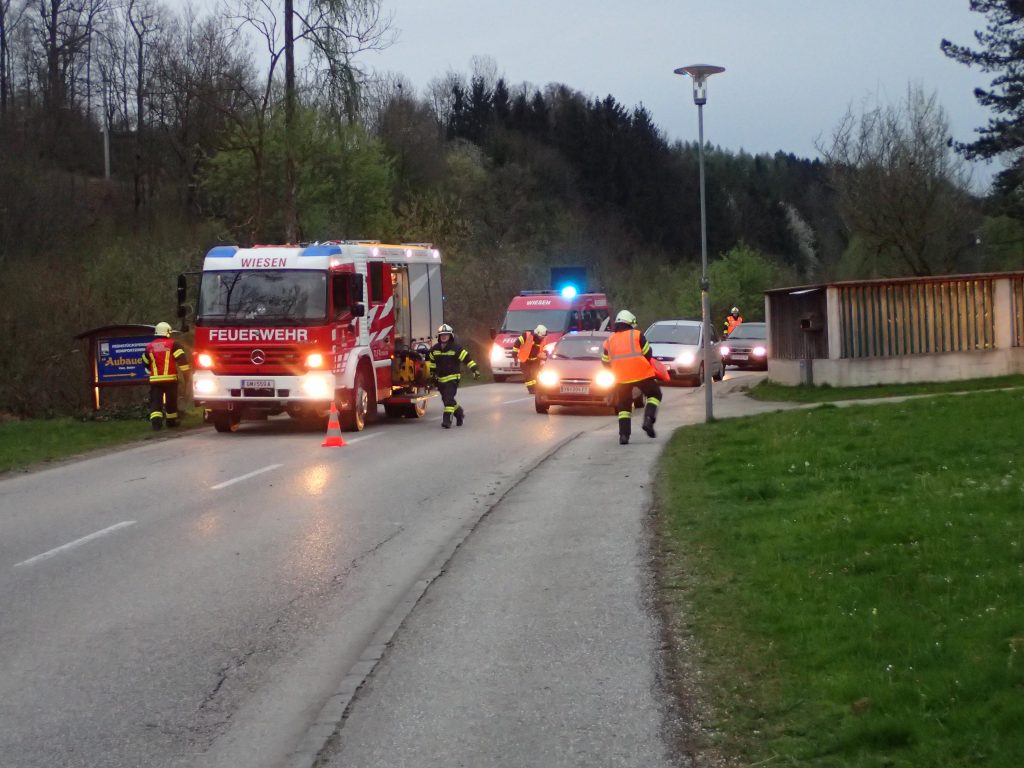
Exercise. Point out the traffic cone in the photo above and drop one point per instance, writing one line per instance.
(334, 438)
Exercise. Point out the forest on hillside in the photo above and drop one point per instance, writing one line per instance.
(135, 138)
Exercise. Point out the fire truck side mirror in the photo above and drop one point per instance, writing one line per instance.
(494, 334)
(182, 292)
(358, 310)
(355, 291)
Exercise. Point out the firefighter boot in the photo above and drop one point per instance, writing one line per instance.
(157, 423)
(460, 416)
(446, 420)
(625, 426)
(650, 415)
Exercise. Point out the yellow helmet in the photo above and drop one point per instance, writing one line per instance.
(625, 316)
(162, 329)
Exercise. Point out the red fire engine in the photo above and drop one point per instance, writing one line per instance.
(286, 329)
(560, 312)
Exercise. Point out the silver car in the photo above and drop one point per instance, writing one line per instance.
(676, 343)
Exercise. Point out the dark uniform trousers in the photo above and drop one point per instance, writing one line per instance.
(624, 402)
(163, 401)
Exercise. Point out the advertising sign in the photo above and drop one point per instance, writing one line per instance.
(120, 360)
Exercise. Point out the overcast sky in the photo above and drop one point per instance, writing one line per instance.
(792, 66)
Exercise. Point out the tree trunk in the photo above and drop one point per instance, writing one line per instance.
(290, 213)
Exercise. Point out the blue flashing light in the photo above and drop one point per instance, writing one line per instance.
(569, 291)
(325, 249)
(222, 252)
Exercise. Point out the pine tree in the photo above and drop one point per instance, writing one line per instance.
(1000, 51)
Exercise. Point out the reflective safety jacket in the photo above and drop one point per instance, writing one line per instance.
(528, 348)
(731, 321)
(445, 362)
(626, 353)
(163, 359)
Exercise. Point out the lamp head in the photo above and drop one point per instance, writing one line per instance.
(700, 74)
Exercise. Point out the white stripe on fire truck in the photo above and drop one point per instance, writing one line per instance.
(381, 334)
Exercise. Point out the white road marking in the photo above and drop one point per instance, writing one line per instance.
(517, 400)
(361, 438)
(75, 543)
(226, 483)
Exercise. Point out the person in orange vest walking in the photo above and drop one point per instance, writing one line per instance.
(529, 349)
(627, 353)
(733, 319)
(164, 360)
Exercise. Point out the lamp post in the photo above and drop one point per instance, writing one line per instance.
(700, 74)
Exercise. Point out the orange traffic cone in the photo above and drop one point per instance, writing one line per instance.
(333, 439)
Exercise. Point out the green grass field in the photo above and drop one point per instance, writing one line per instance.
(854, 578)
(767, 390)
(27, 443)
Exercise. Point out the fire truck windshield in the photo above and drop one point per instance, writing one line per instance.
(556, 320)
(263, 297)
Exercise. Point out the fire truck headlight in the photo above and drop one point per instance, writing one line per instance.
(204, 383)
(204, 360)
(316, 385)
(547, 377)
(497, 353)
(315, 360)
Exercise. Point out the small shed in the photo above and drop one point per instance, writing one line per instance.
(900, 330)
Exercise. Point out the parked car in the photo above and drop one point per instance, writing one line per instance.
(677, 344)
(747, 347)
(574, 375)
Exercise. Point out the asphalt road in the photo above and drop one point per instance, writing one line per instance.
(208, 600)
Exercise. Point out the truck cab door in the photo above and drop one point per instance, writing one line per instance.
(380, 321)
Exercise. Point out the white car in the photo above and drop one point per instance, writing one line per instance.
(677, 344)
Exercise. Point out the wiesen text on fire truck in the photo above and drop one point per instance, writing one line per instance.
(259, 334)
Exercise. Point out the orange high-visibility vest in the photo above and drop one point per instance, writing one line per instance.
(731, 323)
(627, 361)
(526, 347)
(163, 359)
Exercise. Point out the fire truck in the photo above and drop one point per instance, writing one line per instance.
(560, 311)
(288, 329)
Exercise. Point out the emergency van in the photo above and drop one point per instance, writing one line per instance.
(560, 311)
(288, 329)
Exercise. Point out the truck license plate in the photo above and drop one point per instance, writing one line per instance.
(739, 357)
(575, 389)
(257, 383)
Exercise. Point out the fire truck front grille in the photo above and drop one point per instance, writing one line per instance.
(264, 393)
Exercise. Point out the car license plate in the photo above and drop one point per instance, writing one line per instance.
(575, 389)
(257, 383)
(738, 357)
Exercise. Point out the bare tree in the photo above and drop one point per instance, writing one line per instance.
(900, 186)
(11, 15)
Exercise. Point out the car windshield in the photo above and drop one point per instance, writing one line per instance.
(556, 320)
(749, 331)
(261, 297)
(578, 348)
(668, 333)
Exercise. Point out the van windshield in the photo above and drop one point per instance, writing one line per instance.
(518, 320)
(263, 297)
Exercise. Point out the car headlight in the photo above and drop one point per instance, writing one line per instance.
(316, 385)
(204, 360)
(315, 360)
(725, 350)
(547, 377)
(605, 379)
(760, 351)
(204, 383)
(497, 353)
(549, 347)
(686, 358)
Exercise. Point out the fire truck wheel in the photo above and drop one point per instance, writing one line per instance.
(354, 420)
(500, 377)
(394, 411)
(225, 422)
(416, 410)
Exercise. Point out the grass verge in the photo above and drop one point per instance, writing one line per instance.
(767, 390)
(853, 578)
(30, 442)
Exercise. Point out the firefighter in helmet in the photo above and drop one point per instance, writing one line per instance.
(732, 320)
(628, 354)
(164, 360)
(444, 364)
(529, 349)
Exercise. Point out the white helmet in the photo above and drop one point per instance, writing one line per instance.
(625, 316)
(540, 330)
(162, 329)
(735, 311)
(445, 328)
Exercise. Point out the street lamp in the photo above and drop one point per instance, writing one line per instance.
(700, 74)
